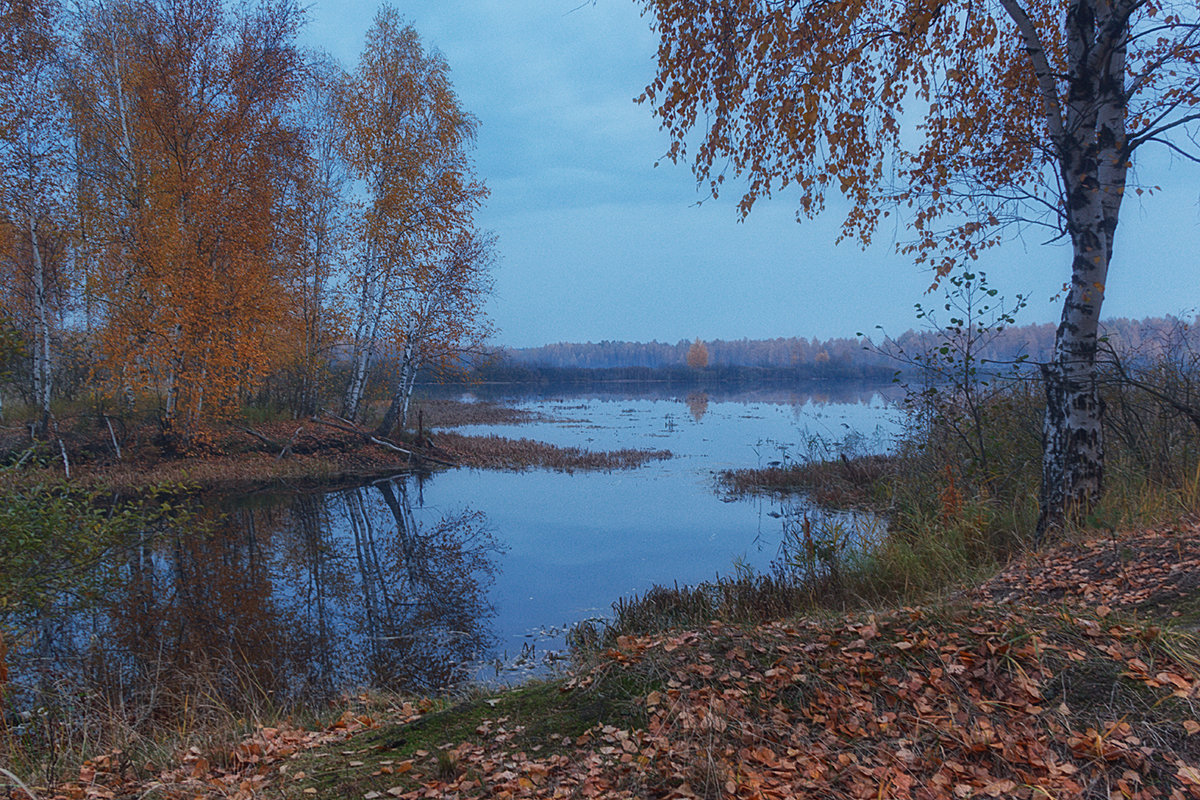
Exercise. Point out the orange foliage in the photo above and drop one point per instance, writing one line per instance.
(222, 212)
(187, 195)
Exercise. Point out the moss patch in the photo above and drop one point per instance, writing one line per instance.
(541, 719)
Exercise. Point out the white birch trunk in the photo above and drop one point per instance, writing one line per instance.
(398, 408)
(43, 356)
(370, 314)
(1094, 159)
(412, 382)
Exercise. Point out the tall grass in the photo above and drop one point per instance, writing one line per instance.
(139, 730)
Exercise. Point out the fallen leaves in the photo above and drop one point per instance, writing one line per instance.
(967, 704)
(1151, 570)
(252, 765)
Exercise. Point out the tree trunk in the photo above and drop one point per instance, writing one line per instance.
(408, 391)
(1072, 445)
(358, 380)
(1072, 428)
(370, 311)
(43, 356)
(397, 409)
(1094, 157)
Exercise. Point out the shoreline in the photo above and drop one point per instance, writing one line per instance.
(237, 458)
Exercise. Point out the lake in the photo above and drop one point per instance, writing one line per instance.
(420, 583)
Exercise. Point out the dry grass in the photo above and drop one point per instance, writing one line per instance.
(844, 483)
(495, 452)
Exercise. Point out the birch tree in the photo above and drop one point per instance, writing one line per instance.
(975, 118)
(406, 143)
(111, 181)
(33, 172)
(315, 213)
(442, 319)
(182, 106)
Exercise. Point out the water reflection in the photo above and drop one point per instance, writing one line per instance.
(804, 393)
(393, 585)
(697, 403)
(288, 596)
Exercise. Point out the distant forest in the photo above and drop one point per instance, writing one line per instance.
(800, 358)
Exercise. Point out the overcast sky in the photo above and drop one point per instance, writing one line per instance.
(597, 243)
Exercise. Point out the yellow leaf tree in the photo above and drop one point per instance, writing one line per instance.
(697, 355)
(977, 118)
(178, 106)
(406, 145)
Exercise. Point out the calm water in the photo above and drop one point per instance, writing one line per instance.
(467, 574)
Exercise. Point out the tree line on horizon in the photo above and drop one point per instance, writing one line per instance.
(195, 212)
(840, 356)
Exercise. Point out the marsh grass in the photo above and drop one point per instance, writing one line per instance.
(841, 482)
(138, 731)
(496, 452)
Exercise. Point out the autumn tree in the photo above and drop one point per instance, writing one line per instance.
(34, 159)
(976, 118)
(441, 320)
(315, 211)
(179, 107)
(406, 144)
(697, 355)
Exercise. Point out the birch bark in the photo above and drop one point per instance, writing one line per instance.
(43, 358)
(1093, 161)
(366, 332)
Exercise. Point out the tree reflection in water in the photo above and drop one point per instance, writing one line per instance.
(697, 403)
(280, 597)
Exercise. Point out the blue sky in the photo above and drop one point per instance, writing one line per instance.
(597, 243)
